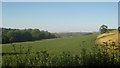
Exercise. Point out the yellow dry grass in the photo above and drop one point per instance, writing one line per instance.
(109, 38)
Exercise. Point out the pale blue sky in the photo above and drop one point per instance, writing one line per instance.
(60, 16)
(0, 14)
(60, 0)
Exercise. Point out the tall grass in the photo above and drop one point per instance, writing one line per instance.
(71, 51)
(98, 57)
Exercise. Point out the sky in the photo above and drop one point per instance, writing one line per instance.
(60, 0)
(119, 14)
(60, 16)
(0, 14)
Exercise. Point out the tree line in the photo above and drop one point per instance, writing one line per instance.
(20, 35)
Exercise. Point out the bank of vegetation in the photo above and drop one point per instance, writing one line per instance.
(21, 35)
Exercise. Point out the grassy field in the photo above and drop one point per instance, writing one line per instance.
(79, 50)
(55, 46)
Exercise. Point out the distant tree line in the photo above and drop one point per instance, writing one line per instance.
(21, 35)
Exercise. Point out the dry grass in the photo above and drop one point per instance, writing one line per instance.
(110, 37)
(109, 41)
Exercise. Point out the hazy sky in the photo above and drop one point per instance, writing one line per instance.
(60, 16)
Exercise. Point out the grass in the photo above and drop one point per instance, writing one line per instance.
(112, 36)
(55, 46)
(0, 55)
(77, 50)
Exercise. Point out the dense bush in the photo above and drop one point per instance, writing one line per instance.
(17, 35)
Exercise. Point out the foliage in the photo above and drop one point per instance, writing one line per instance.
(17, 35)
(119, 29)
(103, 29)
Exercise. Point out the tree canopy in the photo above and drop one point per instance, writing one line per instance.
(17, 35)
(103, 29)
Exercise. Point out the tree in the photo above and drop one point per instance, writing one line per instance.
(35, 34)
(103, 29)
(10, 35)
(5, 39)
(119, 29)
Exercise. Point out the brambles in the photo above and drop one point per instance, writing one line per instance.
(111, 50)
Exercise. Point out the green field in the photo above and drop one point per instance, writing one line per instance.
(55, 46)
(66, 51)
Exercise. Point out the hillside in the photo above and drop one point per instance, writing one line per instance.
(109, 38)
(68, 34)
(54, 46)
(56, 52)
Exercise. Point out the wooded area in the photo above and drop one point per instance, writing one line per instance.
(20, 35)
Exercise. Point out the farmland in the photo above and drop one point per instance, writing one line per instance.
(54, 46)
(78, 45)
(47, 34)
